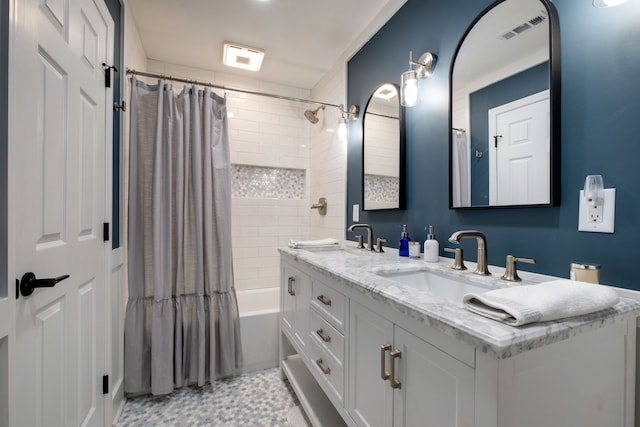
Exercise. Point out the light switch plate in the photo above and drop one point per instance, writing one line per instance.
(608, 214)
(356, 213)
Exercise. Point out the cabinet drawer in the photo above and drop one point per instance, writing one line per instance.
(327, 336)
(329, 302)
(326, 369)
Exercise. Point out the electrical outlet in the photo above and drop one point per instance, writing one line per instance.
(600, 219)
(356, 213)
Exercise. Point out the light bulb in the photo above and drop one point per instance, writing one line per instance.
(342, 129)
(409, 91)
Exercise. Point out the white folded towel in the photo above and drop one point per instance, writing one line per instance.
(519, 305)
(301, 244)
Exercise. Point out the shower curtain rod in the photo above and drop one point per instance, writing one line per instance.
(213, 85)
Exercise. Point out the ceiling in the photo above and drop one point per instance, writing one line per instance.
(302, 39)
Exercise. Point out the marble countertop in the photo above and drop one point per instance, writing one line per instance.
(360, 270)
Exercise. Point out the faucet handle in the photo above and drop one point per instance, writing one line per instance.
(511, 272)
(458, 263)
(379, 243)
(360, 244)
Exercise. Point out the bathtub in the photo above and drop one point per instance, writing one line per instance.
(259, 310)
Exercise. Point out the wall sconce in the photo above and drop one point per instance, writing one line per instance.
(351, 115)
(607, 3)
(420, 69)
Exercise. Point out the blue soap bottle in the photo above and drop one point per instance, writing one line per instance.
(404, 242)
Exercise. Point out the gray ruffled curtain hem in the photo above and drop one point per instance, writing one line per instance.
(190, 317)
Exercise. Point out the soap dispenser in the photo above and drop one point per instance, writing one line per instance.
(404, 242)
(431, 247)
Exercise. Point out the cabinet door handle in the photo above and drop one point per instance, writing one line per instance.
(290, 283)
(321, 334)
(384, 374)
(393, 355)
(324, 369)
(324, 300)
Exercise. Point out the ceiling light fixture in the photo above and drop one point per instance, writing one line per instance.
(246, 58)
(420, 69)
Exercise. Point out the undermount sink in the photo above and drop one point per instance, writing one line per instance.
(439, 286)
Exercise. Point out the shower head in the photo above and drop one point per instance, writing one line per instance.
(312, 115)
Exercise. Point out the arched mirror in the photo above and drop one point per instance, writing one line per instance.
(383, 150)
(504, 115)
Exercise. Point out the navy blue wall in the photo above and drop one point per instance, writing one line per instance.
(600, 135)
(116, 12)
(520, 85)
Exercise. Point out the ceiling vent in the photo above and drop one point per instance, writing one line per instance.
(247, 58)
(386, 91)
(521, 28)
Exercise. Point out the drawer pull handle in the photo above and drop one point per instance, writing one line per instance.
(324, 369)
(290, 282)
(324, 300)
(321, 334)
(395, 354)
(384, 374)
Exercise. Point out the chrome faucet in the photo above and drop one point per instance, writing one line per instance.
(481, 267)
(353, 227)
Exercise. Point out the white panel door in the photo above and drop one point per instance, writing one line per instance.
(519, 162)
(59, 129)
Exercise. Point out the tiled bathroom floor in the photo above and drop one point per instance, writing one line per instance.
(257, 399)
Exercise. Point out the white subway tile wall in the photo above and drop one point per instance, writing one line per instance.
(269, 141)
(328, 158)
(273, 134)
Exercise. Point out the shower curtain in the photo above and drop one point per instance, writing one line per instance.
(182, 324)
(460, 169)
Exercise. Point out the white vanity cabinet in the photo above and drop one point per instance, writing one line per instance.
(356, 357)
(397, 379)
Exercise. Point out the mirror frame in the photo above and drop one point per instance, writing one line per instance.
(554, 112)
(402, 151)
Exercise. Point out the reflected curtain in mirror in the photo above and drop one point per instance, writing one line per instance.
(460, 168)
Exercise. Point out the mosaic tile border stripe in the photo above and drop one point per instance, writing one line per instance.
(260, 182)
(381, 188)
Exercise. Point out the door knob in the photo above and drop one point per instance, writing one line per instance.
(29, 283)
